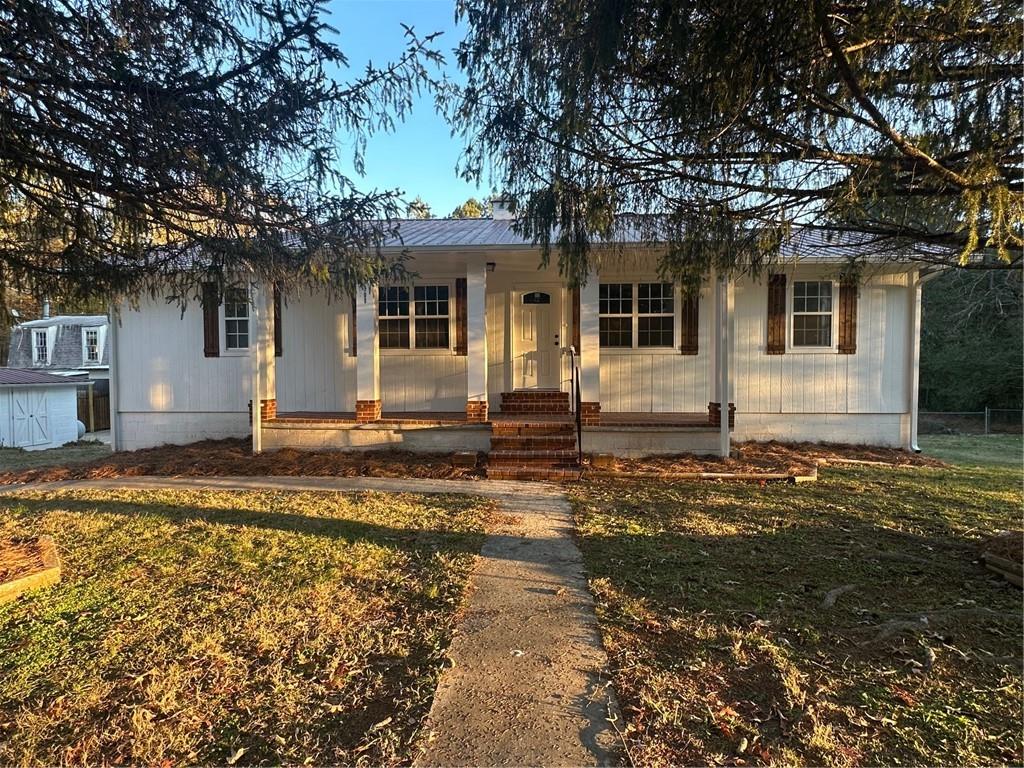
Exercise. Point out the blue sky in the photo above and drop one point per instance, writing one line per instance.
(420, 156)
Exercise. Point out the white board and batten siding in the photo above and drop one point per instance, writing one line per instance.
(825, 396)
(168, 391)
(39, 417)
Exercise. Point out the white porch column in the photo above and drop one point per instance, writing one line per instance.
(590, 350)
(476, 341)
(368, 404)
(261, 353)
(722, 355)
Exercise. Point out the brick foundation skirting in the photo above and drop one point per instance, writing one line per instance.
(715, 415)
(268, 409)
(590, 414)
(476, 411)
(367, 411)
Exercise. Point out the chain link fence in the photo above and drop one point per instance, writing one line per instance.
(990, 421)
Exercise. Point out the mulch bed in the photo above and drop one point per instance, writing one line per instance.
(792, 458)
(210, 458)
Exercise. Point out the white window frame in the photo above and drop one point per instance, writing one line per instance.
(790, 312)
(632, 316)
(635, 349)
(85, 346)
(36, 333)
(223, 320)
(412, 349)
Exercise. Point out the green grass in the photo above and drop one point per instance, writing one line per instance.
(206, 627)
(975, 450)
(711, 605)
(15, 459)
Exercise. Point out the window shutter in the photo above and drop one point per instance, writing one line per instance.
(776, 315)
(211, 320)
(461, 320)
(576, 319)
(847, 318)
(688, 344)
(278, 339)
(352, 326)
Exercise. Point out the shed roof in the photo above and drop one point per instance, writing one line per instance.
(19, 377)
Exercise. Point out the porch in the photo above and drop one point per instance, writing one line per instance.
(473, 343)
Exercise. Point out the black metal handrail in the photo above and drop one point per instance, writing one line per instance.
(574, 372)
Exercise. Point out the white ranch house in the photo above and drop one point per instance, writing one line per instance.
(483, 338)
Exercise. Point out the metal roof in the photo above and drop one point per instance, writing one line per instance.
(804, 244)
(19, 377)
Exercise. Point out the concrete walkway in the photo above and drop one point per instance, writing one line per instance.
(528, 683)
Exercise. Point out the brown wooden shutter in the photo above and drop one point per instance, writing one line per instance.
(776, 315)
(688, 344)
(352, 326)
(847, 318)
(461, 320)
(278, 339)
(576, 319)
(211, 320)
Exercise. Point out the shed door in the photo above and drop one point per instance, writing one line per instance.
(31, 418)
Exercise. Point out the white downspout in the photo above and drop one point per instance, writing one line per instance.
(917, 280)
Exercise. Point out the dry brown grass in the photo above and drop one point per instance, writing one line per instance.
(207, 627)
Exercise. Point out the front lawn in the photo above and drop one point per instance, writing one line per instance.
(18, 459)
(844, 622)
(210, 627)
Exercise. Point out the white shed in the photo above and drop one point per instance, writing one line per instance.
(37, 410)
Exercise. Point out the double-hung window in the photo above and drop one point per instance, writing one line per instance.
(422, 323)
(91, 344)
(812, 313)
(615, 311)
(40, 347)
(648, 321)
(236, 319)
(655, 315)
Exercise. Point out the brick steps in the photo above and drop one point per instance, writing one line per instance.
(535, 439)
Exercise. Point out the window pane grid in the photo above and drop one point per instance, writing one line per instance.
(92, 346)
(616, 331)
(812, 313)
(656, 315)
(615, 299)
(41, 347)
(236, 318)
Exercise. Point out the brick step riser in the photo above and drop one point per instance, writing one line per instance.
(529, 394)
(520, 443)
(533, 430)
(533, 461)
(529, 473)
(535, 410)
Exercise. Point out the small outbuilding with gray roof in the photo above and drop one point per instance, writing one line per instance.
(37, 410)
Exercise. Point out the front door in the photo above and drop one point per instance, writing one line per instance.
(537, 346)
